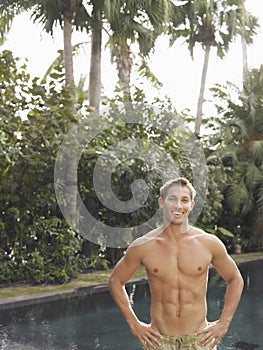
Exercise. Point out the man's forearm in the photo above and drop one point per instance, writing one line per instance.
(121, 300)
(232, 298)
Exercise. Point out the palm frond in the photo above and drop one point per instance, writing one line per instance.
(82, 19)
(57, 62)
(259, 198)
(252, 174)
(236, 195)
(256, 150)
(229, 157)
(159, 12)
(8, 11)
(48, 13)
(59, 59)
(145, 71)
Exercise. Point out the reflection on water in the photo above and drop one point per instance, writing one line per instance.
(93, 322)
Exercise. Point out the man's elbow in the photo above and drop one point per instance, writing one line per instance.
(113, 283)
(239, 283)
(236, 282)
(110, 284)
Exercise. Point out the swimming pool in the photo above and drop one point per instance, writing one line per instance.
(93, 322)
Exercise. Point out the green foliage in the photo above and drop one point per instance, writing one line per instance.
(150, 166)
(56, 254)
(98, 262)
(237, 146)
(213, 205)
(33, 120)
(37, 244)
(220, 230)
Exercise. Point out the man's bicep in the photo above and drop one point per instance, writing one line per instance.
(126, 267)
(224, 264)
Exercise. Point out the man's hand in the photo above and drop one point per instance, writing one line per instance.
(147, 336)
(212, 333)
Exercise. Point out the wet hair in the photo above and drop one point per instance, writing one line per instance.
(178, 181)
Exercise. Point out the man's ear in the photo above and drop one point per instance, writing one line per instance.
(160, 201)
(192, 205)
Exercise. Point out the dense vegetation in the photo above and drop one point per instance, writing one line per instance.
(37, 243)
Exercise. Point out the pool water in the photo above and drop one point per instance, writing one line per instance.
(93, 322)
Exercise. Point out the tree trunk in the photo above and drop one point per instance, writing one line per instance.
(244, 44)
(95, 61)
(199, 113)
(124, 64)
(245, 65)
(68, 57)
(71, 162)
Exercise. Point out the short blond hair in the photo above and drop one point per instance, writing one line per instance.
(178, 181)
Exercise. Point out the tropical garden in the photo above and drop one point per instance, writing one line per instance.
(38, 245)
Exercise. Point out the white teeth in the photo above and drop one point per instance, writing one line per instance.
(176, 213)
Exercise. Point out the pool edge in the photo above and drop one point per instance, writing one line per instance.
(11, 303)
(28, 300)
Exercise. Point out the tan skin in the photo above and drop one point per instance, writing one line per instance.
(176, 258)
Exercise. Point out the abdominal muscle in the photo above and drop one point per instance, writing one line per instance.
(177, 313)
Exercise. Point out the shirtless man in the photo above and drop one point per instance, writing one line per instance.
(176, 257)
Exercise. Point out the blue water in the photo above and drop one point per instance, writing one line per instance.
(93, 322)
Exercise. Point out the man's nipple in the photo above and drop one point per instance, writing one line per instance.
(155, 270)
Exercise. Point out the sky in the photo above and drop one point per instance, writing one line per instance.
(179, 74)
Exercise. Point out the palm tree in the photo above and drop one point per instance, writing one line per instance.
(240, 146)
(131, 22)
(52, 12)
(214, 23)
(65, 13)
(125, 22)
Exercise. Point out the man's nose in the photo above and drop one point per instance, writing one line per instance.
(178, 203)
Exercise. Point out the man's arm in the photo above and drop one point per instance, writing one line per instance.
(122, 272)
(228, 270)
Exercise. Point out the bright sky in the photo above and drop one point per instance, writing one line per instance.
(180, 75)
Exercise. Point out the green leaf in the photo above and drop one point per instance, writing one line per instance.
(225, 232)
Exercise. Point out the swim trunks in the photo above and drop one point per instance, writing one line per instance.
(185, 342)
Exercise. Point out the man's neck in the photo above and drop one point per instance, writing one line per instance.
(177, 231)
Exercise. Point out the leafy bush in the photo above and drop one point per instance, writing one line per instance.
(37, 244)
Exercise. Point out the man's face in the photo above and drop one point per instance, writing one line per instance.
(177, 204)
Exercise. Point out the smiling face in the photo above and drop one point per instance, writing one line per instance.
(176, 205)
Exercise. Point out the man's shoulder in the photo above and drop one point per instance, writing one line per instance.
(211, 242)
(199, 233)
(206, 237)
(148, 238)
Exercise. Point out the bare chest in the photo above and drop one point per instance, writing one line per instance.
(185, 259)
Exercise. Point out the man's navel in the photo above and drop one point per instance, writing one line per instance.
(178, 311)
